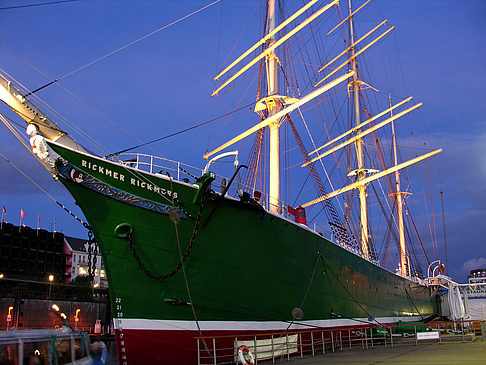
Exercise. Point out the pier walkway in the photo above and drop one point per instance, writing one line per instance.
(450, 353)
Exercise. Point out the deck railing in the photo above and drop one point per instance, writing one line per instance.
(187, 173)
(283, 346)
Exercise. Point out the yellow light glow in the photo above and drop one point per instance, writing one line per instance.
(51, 278)
(349, 16)
(362, 134)
(359, 183)
(356, 55)
(267, 37)
(361, 125)
(55, 307)
(82, 271)
(351, 46)
(270, 49)
(282, 113)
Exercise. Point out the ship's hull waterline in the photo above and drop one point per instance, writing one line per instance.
(246, 270)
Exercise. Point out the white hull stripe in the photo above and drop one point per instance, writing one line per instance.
(174, 325)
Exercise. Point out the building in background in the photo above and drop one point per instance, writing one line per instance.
(39, 268)
(31, 253)
(78, 261)
(476, 294)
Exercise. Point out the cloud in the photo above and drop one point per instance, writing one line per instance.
(473, 264)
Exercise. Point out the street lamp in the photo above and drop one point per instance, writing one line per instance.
(51, 279)
(57, 310)
(76, 318)
(9, 316)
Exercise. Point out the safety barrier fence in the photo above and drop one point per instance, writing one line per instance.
(44, 346)
(283, 346)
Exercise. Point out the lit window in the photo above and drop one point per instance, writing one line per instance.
(82, 271)
(102, 273)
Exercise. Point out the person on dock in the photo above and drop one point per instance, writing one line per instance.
(99, 354)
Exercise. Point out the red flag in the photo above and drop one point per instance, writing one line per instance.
(22, 213)
(4, 211)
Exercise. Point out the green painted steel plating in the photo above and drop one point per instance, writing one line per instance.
(203, 184)
(239, 256)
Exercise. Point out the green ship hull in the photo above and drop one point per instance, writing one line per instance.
(244, 270)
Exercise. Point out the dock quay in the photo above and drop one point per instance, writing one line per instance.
(436, 342)
(443, 353)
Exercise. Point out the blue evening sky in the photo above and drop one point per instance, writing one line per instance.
(163, 83)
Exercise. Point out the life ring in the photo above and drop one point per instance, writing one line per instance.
(241, 355)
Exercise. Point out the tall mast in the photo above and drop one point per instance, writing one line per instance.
(360, 172)
(404, 270)
(273, 108)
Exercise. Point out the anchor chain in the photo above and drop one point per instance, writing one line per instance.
(184, 258)
(91, 260)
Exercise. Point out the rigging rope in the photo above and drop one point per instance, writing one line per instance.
(123, 47)
(346, 289)
(307, 291)
(85, 225)
(176, 220)
(39, 4)
(179, 132)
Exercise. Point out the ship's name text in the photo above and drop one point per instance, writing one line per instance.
(121, 177)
